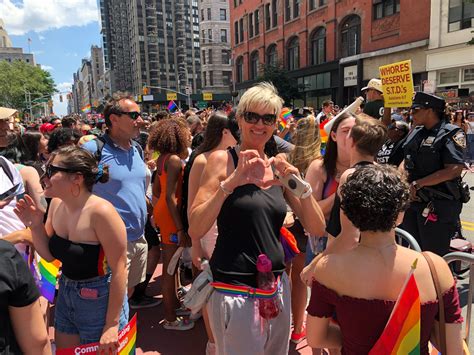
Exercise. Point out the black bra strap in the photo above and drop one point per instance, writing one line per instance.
(234, 155)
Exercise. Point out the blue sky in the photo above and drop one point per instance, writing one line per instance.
(61, 32)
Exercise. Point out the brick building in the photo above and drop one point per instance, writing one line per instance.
(331, 47)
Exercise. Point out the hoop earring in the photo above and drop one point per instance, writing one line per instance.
(78, 191)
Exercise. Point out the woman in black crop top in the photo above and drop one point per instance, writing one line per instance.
(88, 236)
(239, 190)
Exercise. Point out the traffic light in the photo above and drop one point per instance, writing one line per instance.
(60, 98)
(50, 103)
(145, 90)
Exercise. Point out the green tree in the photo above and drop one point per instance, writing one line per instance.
(287, 87)
(18, 77)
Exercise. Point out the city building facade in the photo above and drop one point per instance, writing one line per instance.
(10, 53)
(215, 46)
(330, 47)
(449, 60)
(153, 44)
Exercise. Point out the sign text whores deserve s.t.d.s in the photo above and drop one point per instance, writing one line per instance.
(397, 84)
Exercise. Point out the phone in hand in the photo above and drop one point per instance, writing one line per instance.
(293, 183)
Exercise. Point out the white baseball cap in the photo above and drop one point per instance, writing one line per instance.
(6, 113)
(375, 84)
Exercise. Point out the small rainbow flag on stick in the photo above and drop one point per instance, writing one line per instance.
(86, 109)
(172, 106)
(402, 332)
(285, 116)
(46, 274)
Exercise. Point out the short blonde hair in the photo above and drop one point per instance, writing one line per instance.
(264, 95)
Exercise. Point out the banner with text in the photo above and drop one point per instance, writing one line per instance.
(127, 342)
(397, 84)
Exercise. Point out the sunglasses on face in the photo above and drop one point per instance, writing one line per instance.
(133, 114)
(253, 118)
(51, 170)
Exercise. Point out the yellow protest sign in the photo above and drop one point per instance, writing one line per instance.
(171, 96)
(397, 84)
(207, 96)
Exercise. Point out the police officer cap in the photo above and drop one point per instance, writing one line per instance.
(300, 112)
(424, 100)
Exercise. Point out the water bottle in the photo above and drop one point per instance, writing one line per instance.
(267, 307)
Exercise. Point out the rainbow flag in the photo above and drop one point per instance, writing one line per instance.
(172, 106)
(285, 116)
(402, 332)
(46, 275)
(86, 109)
(127, 338)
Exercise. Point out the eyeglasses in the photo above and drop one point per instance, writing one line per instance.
(133, 114)
(253, 118)
(51, 170)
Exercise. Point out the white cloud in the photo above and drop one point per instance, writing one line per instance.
(66, 86)
(37, 52)
(38, 16)
(41, 37)
(47, 67)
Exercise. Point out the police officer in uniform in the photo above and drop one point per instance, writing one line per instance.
(433, 159)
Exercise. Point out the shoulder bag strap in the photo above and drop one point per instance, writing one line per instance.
(439, 293)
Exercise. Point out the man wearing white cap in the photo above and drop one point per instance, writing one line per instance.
(374, 96)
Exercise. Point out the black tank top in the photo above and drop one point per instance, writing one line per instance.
(249, 225)
(333, 226)
(80, 261)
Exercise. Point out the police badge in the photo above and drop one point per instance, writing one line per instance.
(460, 139)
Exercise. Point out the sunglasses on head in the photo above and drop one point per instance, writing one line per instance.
(133, 114)
(50, 170)
(253, 118)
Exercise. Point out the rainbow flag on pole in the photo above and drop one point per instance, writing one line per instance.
(172, 106)
(401, 335)
(46, 276)
(285, 116)
(86, 109)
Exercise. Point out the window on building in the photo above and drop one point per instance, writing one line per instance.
(461, 15)
(209, 34)
(202, 14)
(318, 46)
(287, 10)
(209, 14)
(293, 54)
(313, 4)
(223, 15)
(211, 78)
(296, 8)
(209, 60)
(226, 78)
(235, 3)
(203, 35)
(272, 56)
(225, 56)
(223, 35)
(350, 36)
(241, 30)
(274, 13)
(468, 74)
(239, 69)
(204, 57)
(449, 76)
(256, 16)
(250, 22)
(383, 8)
(236, 32)
(268, 17)
(254, 65)
(204, 74)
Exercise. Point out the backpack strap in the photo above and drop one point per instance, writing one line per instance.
(139, 148)
(234, 156)
(99, 142)
(6, 169)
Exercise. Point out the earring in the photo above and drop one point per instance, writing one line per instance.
(78, 191)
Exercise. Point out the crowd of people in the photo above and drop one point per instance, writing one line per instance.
(110, 197)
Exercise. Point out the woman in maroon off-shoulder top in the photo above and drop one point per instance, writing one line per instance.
(360, 286)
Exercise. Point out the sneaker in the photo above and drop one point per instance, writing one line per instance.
(183, 312)
(144, 302)
(296, 338)
(178, 324)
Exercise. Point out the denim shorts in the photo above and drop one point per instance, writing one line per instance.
(75, 314)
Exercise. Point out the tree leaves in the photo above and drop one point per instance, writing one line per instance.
(17, 78)
(287, 87)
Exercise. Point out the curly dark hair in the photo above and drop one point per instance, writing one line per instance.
(82, 161)
(169, 136)
(61, 137)
(373, 196)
